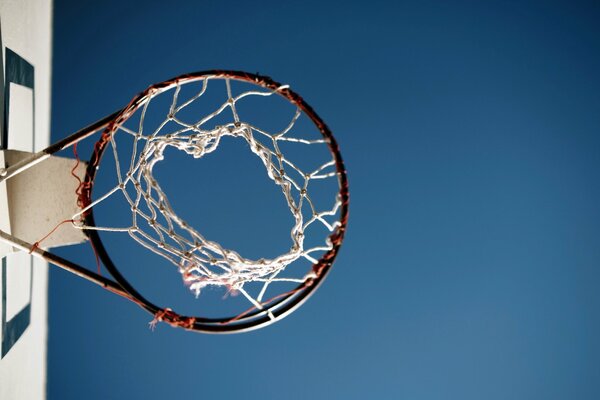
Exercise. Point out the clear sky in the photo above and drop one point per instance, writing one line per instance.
(471, 133)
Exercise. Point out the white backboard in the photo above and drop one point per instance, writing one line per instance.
(26, 43)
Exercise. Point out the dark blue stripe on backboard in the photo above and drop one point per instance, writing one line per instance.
(20, 72)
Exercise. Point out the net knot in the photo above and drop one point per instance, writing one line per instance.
(172, 318)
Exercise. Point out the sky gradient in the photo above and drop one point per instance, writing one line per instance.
(471, 136)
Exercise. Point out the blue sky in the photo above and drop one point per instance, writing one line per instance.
(471, 134)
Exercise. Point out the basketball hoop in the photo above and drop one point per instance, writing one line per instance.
(156, 226)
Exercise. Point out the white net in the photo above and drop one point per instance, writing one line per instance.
(155, 224)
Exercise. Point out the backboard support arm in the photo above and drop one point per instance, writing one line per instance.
(36, 158)
(67, 266)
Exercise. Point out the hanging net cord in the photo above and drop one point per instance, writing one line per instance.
(156, 226)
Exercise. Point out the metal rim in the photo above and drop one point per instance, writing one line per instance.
(275, 310)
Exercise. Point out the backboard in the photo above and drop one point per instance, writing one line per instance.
(25, 43)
